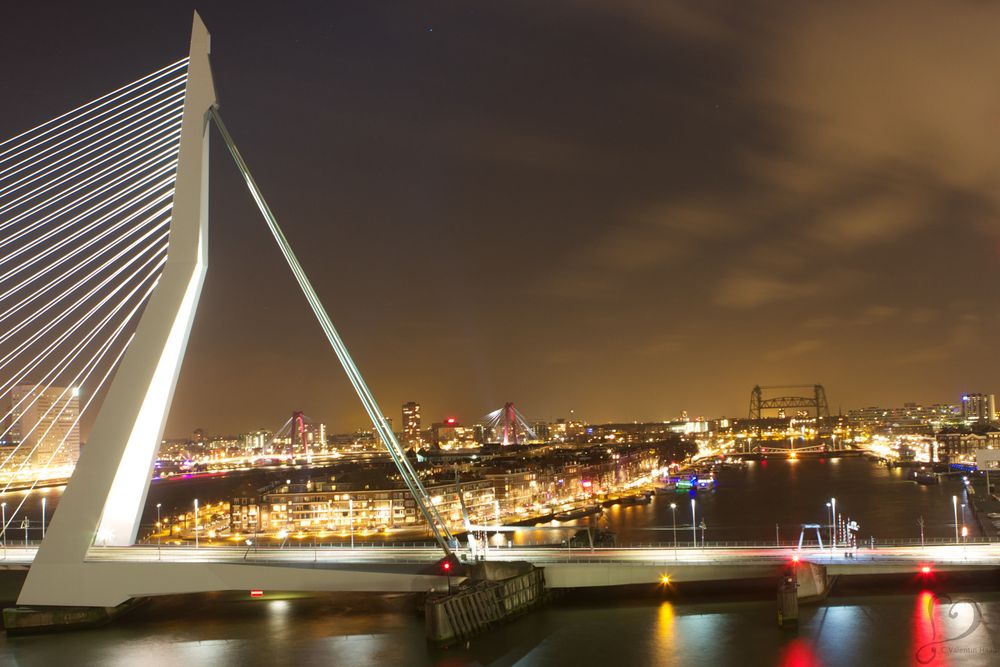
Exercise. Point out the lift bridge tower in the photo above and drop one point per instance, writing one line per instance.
(788, 397)
(816, 402)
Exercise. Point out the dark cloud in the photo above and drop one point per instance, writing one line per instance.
(625, 208)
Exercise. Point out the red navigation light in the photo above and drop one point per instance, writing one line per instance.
(795, 558)
(926, 569)
(256, 593)
(448, 566)
(450, 420)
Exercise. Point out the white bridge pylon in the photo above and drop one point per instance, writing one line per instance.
(103, 501)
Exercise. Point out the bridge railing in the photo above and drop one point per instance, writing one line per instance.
(812, 546)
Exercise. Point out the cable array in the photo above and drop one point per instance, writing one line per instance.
(85, 210)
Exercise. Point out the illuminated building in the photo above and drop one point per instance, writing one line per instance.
(911, 418)
(244, 515)
(336, 507)
(960, 445)
(449, 434)
(257, 442)
(979, 408)
(411, 425)
(44, 423)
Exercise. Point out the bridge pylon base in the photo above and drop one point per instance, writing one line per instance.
(34, 620)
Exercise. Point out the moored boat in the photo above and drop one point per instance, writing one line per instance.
(578, 513)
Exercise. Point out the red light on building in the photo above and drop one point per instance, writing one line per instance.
(256, 593)
(450, 421)
(446, 566)
(795, 559)
(926, 569)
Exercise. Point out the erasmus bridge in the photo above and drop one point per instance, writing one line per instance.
(104, 237)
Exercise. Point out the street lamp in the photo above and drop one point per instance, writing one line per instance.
(833, 511)
(195, 523)
(159, 531)
(954, 505)
(694, 526)
(829, 533)
(673, 510)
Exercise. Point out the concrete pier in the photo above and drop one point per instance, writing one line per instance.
(28, 620)
(494, 592)
(813, 582)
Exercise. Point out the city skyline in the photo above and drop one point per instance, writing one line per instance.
(665, 256)
(958, 410)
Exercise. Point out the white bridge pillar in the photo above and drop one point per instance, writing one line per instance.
(104, 499)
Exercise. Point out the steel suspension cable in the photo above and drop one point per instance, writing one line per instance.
(159, 242)
(107, 99)
(68, 274)
(166, 169)
(145, 202)
(70, 356)
(99, 130)
(65, 334)
(164, 142)
(410, 478)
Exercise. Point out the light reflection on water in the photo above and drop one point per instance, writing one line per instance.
(220, 630)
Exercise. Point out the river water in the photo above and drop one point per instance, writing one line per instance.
(910, 629)
(748, 502)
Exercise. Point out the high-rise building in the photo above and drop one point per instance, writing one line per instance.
(979, 408)
(411, 425)
(44, 423)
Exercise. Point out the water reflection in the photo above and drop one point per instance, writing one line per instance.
(798, 653)
(220, 630)
(665, 629)
(925, 650)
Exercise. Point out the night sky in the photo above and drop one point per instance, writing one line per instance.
(621, 208)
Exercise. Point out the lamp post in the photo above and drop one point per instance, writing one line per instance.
(3, 510)
(159, 531)
(954, 505)
(350, 517)
(195, 523)
(43, 516)
(694, 526)
(673, 511)
(829, 533)
(833, 511)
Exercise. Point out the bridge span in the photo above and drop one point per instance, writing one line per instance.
(414, 569)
